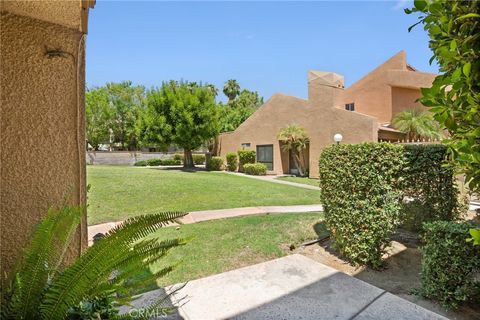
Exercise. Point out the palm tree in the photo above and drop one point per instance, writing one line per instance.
(417, 124)
(295, 140)
(231, 89)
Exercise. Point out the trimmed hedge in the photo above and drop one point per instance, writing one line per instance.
(157, 162)
(141, 163)
(244, 157)
(231, 161)
(256, 169)
(178, 157)
(449, 263)
(198, 158)
(430, 186)
(359, 191)
(215, 164)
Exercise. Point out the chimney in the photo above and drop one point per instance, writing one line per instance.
(324, 88)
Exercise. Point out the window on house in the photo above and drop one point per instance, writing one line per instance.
(350, 106)
(265, 155)
(245, 145)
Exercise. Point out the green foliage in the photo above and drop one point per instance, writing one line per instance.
(215, 164)
(448, 265)
(162, 162)
(244, 157)
(359, 191)
(182, 113)
(430, 185)
(141, 163)
(294, 139)
(231, 89)
(198, 158)
(417, 124)
(99, 116)
(475, 233)
(178, 157)
(232, 161)
(41, 287)
(454, 98)
(255, 169)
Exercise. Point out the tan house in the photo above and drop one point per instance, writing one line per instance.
(42, 125)
(359, 113)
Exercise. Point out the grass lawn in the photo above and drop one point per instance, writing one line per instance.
(222, 245)
(119, 192)
(309, 181)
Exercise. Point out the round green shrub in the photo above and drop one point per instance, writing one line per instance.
(360, 193)
(215, 164)
(231, 161)
(449, 263)
(141, 163)
(154, 162)
(198, 158)
(256, 169)
(244, 157)
(178, 157)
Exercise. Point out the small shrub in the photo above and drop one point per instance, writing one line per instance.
(215, 164)
(141, 163)
(231, 161)
(256, 169)
(178, 157)
(449, 263)
(244, 157)
(162, 162)
(359, 192)
(198, 158)
(154, 162)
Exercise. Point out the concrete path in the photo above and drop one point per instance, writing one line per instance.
(293, 287)
(274, 179)
(198, 216)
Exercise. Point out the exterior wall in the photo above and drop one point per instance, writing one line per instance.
(405, 98)
(321, 123)
(42, 138)
(126, 157)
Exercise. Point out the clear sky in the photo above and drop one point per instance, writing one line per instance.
(265, 46)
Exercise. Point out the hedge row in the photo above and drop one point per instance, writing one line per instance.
(256, 169)
(157, 162)
(215, 164)
(198, 158)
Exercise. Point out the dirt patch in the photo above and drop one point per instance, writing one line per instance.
(400, 276)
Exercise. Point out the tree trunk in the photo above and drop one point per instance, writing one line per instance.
(296, 162)
(188, 159)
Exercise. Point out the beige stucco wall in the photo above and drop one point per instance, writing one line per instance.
(317, 115)
(42, 141)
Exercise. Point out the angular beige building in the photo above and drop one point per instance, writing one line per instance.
(42, 125)
(360, 113)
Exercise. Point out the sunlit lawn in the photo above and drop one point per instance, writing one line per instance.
(119, 192)
(309, 181)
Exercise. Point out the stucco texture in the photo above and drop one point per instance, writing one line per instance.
(317, 115)
(42, 128)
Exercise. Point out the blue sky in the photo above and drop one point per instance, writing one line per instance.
(266, 46)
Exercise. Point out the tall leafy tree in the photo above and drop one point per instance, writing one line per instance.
(294, 139)
(454, 97)
(231, 89)
(417, 124)
(182, 113)
(99, 115)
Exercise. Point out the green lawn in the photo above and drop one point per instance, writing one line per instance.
(309, 181)
(222, 245)
(119, 192)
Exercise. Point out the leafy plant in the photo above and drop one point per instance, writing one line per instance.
(448, 265)
(244, 157)
(417, 124)
(42, 287)
(231, 89)
(454, 97)
(214, 164)
(359, 189)
(294, 139)
(256, 169)
(141, 163)
(198, 158)
(231, 161)
(178, 157)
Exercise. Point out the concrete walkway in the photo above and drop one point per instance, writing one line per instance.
(198, 216)
(293, 287)
(273, 179)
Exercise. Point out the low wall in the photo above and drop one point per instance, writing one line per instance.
(122, 157)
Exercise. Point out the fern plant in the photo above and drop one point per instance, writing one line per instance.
(42, 287)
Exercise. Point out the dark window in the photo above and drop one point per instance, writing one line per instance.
(350, 106)
(245, 145)
(265, 155)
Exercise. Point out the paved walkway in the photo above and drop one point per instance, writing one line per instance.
(197, 216)
(293, 287)
(273, 179)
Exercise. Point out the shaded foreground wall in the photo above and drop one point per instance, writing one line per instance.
(42, 139)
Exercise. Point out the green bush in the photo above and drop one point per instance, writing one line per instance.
(244, 157)
(429, 185)
(215, 164)
(161, 162)
(141, 163)
(154, 162)
(198, 158)
(231, 161)
(256, 169)
(449, 263)
(359, 191)
(178, 157)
